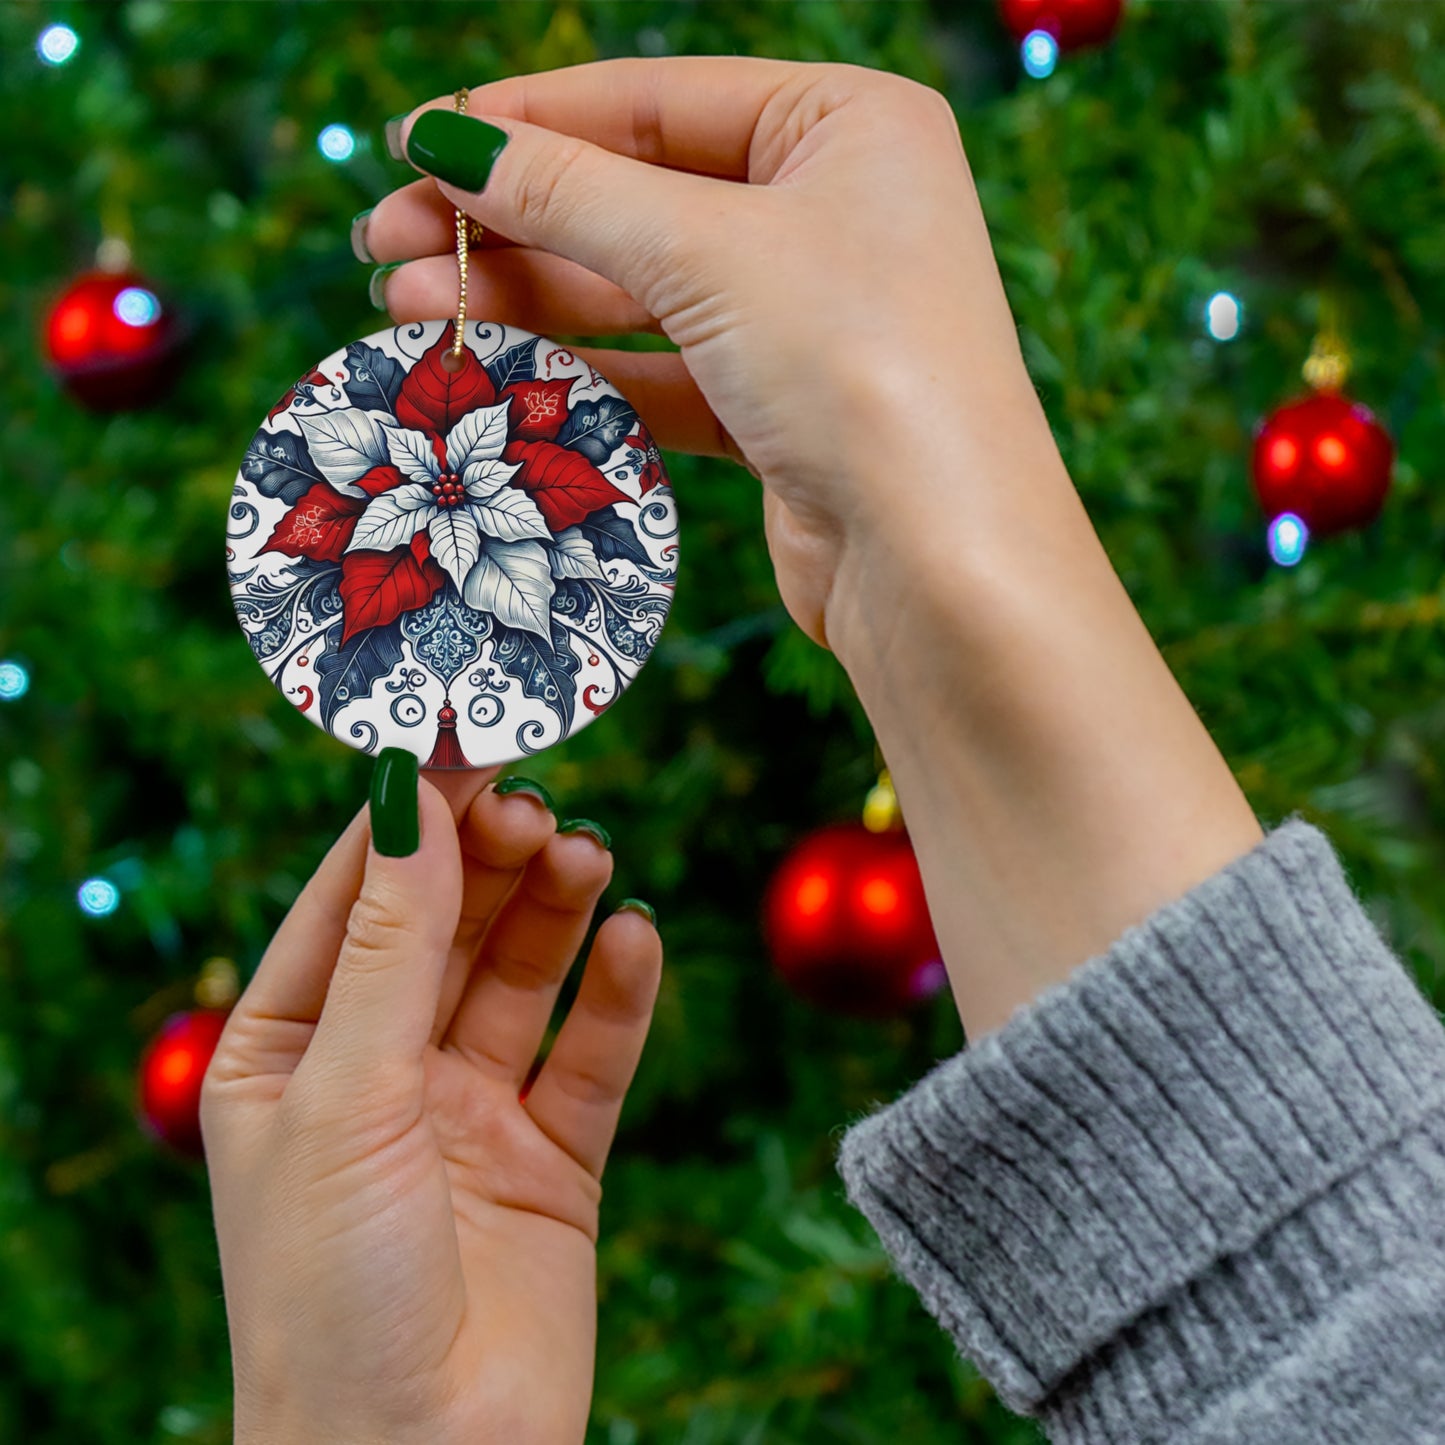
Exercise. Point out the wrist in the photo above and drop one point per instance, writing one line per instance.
(1057, 784)
(948, 523)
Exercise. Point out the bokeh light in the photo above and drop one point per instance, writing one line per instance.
(1288, 538)
(813, 894)
(336, 143)
(137, 307)
(1223, 316)
(14, 681)
(57, 44)
(1040, 53)
(98, 897)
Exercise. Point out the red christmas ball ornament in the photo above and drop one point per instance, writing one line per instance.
(171, 1071)
(111, 341)
(1326, 459)
(847, 923)
(1073, 23)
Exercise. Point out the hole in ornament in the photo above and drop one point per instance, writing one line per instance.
(453, 360)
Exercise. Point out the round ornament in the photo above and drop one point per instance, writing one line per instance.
(465, 552)
(172, 1070)
(111, 341)
(1324, 458)
(1072, 23)
(847, 923)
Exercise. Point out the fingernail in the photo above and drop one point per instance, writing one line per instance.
(525, 785)
(376, 287)
(636, 905)
(395, 821)
(393, 136)
(586, 825)
(455, 148)
(359, 248)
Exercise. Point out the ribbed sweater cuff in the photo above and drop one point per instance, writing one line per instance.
(1145, 1163)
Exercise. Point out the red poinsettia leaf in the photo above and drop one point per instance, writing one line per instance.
(433, 399)
(312, 378)
(421, 547)
(378, 480)
(566, 487)
(319, 526)
(538, 409)
(651, 474)
(377, 587)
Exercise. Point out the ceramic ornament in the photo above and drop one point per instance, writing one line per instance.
(466, 555)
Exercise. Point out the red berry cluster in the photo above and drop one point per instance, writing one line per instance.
(448, 490)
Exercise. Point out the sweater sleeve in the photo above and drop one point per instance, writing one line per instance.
(1196, 1192)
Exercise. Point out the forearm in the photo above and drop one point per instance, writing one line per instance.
(1056, 782)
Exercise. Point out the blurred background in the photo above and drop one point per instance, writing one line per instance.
(1188, 207)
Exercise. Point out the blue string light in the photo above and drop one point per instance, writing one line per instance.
(57, 44)
(14, 681)
(98, 897)
(1040, 54)
(1288, 538)
(336, 143)
(1223, 316)
(137, 307)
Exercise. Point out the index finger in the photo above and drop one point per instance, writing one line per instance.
(696, 113)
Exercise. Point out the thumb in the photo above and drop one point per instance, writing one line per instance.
(381, 1002)
(633, 223)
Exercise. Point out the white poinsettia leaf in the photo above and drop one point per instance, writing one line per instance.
(344, 445)
(512, 581)
(574, 556)
(392, 519)
(455, 542)
(485, 479)
(478, 437)
(411, 454)
(511, 516)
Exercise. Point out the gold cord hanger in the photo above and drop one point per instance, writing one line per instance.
(468, 231)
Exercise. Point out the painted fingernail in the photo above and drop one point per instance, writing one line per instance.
(585, 825)
(508, 786)
(359, 248)
(455, 148)
(393, 136)
(395, 824)
(376, 288)
(636, 905)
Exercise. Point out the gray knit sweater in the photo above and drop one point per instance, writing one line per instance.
(1196, 1192)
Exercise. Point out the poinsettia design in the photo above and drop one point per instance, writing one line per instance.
(485, 534)
(457, 484)
(451, 520)
(646, 459)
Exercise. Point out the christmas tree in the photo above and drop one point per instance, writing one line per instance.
(1179, 214)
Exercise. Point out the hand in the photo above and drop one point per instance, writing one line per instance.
(843, 330)
(407, 1246)
(839, 307)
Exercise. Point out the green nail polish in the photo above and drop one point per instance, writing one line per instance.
(636, 905)
(395, 824)
(586, 825)
(392, 131)
(455, 148)
(359, 248)
(376, 287)
(525, 785)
